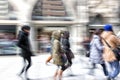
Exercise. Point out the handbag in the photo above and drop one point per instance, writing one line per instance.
(116, 50)
(71, 54)
(87, 54)
(63, 57)
(65, 60)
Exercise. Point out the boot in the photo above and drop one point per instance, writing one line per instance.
(48, 59)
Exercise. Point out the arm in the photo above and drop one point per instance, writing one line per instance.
(115, 40)
(99, 44)
(20, 42)
(66, 45)
(56, 46)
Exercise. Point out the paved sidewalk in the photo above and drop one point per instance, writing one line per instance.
(11, 65)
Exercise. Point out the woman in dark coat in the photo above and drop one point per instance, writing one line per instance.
(66, 46)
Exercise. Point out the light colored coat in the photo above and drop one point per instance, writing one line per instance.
(56, 49)
(113, 41)
(96, 50)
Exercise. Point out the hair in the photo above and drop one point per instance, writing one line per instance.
(25, 27)
(97, 31)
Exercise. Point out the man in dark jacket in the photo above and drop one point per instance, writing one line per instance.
(24, 44)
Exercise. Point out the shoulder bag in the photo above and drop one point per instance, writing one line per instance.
(116, 50)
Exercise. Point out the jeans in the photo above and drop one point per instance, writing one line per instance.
(114, 69)
(105, 69)
(103, 66)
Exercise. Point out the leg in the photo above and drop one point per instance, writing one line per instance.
(60, 74)
(29, 63)
(24, 63)
(56, 73)
(115, 69)
(94, 65)
(48, 59)
(70, 61)
(91, 71)
(63, 68)
(105, 69)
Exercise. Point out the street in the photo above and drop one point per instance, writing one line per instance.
(11, 65)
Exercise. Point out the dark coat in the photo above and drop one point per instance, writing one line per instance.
(66, 45)
(24, 44)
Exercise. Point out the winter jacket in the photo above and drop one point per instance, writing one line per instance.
(66, 45)
(56, 49)
(24, 44)
(113, 41)
(96, 50)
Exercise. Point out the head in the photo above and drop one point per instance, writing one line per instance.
(108, 27)
(66, 34)
(56, 34)
(26, 28)
(97, 32)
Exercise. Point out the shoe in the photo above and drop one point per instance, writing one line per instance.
(110, 78)
(28, 79)
(19, 74)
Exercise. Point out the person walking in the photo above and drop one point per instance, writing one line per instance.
(108, 54)
(24, 44)
(52, 39)
(66, 48)
(96, 51)
(56, 55)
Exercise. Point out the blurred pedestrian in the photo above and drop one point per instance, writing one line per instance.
(24, 44)
(86, 43)
(56, 55)
(108, 55)
(66, 47)
(52, 39)
(96, 51)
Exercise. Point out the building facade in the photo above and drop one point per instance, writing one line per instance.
(80, 17)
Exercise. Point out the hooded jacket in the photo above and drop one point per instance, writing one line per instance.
(24, 44)
(56, 48)
(96, 50)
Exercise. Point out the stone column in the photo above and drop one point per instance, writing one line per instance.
(70, 6)
(80, 30)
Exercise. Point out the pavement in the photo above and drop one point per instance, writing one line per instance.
(10, 66)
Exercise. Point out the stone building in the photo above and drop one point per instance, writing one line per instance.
(80, 17)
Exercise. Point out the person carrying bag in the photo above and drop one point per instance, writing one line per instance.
(108, 54)
(116, 50)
